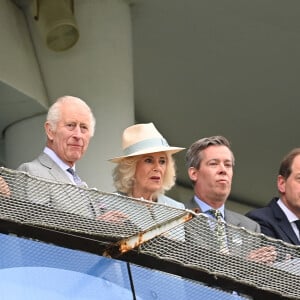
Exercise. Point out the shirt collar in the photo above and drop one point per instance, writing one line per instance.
(289, 214)
(56, 159)
(204, 207)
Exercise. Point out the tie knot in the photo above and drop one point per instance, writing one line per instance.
(71, 171)
(76, 178)
(216, 213)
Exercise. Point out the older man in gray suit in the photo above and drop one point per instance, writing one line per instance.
(69, 127)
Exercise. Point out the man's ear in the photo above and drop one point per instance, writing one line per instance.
(193, 173)
(281, 184)
(49, 131)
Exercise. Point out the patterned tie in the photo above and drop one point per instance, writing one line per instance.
(220, 230)
(75, 176)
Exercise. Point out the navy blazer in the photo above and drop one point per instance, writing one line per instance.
(274, 223)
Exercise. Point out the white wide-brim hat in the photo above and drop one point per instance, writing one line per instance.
(143, 139)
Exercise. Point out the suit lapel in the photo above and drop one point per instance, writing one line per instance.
(57, 174)
(202, 232)
(55, 171)
(288, 230)
(192, 205)
(229, 218)
(284, 223)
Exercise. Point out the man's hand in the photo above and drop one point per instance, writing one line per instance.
(4, 189)
(113, 216)
(266, 255)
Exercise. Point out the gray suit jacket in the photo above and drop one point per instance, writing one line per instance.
(237, 245)
(64, 196)
(231, 217)
(45, 167)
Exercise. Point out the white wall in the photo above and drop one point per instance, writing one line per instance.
(18, 64)
(99, 70)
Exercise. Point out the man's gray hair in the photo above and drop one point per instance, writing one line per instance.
(194, 153)
(54, 112)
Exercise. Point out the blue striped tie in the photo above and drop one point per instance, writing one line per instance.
(76, 178)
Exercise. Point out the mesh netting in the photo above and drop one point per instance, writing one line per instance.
(154, 235)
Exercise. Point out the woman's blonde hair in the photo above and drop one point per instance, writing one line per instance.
(124, 172)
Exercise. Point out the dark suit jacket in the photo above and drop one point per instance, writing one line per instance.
(274, 223)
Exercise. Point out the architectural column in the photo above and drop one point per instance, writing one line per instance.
(97, 69)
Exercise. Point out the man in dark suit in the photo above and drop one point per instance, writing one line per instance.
(280, 218)
(69, 126)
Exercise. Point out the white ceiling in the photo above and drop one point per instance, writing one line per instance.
(229, 67)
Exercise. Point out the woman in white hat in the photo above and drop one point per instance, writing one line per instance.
(146, 169)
